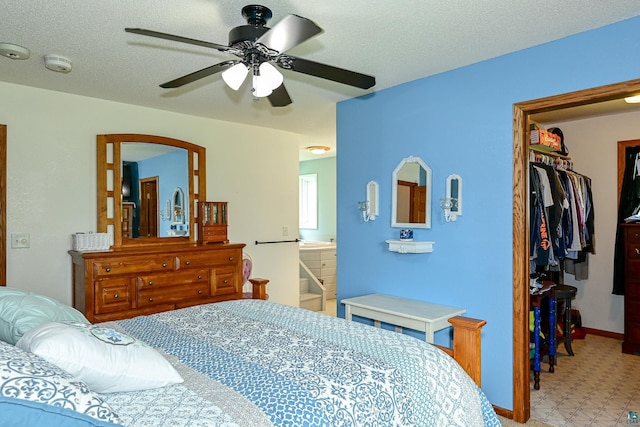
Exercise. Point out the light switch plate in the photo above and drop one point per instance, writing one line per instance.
(20, 240)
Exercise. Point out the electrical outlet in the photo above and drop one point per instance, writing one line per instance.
(20, 240)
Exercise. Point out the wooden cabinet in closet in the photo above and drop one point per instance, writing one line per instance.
(124, 283)
(631, 343)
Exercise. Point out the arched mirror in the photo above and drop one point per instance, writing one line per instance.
(141, 178)
(411, 194)
(178, 206)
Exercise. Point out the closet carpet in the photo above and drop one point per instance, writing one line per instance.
(598, 386)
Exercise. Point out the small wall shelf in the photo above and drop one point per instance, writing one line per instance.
(410, 246)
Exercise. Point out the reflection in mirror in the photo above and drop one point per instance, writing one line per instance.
(179, 212)
(411, 194)
(148, 170)
(151, 173)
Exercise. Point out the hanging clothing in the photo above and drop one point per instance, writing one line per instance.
(629, 203)
(561, 218)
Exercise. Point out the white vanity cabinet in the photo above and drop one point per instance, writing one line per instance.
(322, 263)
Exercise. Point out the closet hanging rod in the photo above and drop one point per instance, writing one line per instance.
(278, 241)
(558, 162)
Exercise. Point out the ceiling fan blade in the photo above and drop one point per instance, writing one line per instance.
(324, 71)
(175, 38)
(279, 97)
(289, 32)
(197, 75)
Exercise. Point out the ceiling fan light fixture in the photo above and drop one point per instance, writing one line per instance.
(235, 75)
(266, 80)
(273, 78)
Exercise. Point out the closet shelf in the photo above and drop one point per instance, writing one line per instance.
(410, 246)
(548, 151)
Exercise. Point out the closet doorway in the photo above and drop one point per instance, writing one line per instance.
(520, 230)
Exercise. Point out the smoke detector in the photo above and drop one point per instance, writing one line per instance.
(57, 63)
(14, 51)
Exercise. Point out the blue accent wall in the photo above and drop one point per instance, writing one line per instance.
(460, 122)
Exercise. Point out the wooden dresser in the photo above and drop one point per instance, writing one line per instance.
(631, 343)
(129, 282)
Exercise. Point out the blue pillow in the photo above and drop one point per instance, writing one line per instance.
(28, 413)
(21, 311)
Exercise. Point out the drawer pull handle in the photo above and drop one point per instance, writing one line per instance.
(150, 299)
(637, 251)
(636, 235)
(199, 292)
(199, 276)
(108, 269)
(225, 281)
(164, 264)
(188, 262)
(230, 258)
(116, 295)
(150, 282)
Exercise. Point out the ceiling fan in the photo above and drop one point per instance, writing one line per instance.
(258, 47)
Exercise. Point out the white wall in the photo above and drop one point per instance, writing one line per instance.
(593, 145)
(51, 182)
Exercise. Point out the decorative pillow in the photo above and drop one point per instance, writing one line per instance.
(25, 377)
(22, 310)
(28, 413)
(107, 360)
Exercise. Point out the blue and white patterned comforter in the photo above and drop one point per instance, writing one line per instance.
(256, 363)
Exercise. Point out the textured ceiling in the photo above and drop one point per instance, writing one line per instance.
(395, 41)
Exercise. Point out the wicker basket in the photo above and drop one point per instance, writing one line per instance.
(90, 241)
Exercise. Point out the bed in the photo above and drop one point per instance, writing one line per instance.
(241, 363)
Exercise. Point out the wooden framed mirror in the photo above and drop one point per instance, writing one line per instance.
(3, 205)
(411, 194)
(137, 175)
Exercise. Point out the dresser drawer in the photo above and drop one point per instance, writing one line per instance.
(632, 250)
(632, 273)
(128, 265)
(632, 332)
(223, 281)
(215, 233)
(632, 235)
(632, 309)
(172, 294)
(209, 259)
(113, 295)
(173, 280)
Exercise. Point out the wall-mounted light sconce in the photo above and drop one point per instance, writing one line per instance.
(369, 207)
(451, 204)
(165, 214)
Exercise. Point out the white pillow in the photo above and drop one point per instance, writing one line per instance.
(25, 377)
(106, 360)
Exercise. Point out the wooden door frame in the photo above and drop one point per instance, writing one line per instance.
(521, 113)
(3, 205)
(156, 181)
